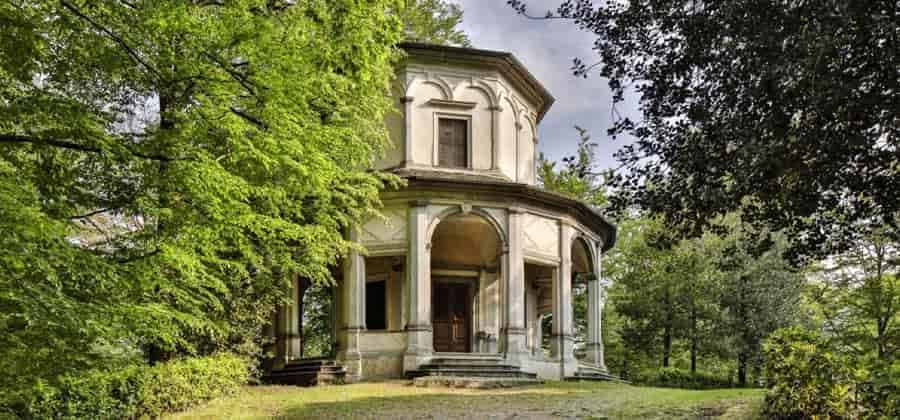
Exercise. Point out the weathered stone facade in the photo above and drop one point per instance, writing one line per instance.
(470, 259)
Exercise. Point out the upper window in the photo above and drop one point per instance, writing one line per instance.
(453, 143)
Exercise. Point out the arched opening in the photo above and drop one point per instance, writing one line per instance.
(316, 330)
(582, 272)
(465, 273)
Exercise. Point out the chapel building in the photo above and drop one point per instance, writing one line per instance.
(471, 257)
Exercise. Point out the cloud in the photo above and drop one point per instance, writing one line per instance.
(547, 48)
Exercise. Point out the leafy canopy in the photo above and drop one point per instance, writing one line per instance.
(793, 104)
(162, 163)
(433, 22)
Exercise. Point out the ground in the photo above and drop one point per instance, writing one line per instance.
(397, 400)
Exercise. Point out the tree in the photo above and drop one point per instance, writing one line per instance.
(858, 294)
(163, 165)
(577, 176)
(644, 288)
(433, 22)
(793, 104)
(761, 290)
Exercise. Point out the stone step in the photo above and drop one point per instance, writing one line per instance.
(473, 362)
(595, 375)
(476, 372)
(473, 382)
(307, 373)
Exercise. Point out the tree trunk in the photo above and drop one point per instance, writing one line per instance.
(667, 331)
(693, 338)
(742, 367)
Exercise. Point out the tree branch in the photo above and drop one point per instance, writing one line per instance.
(63, 144)
(117, 39)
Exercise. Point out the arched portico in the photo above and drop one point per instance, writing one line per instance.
(585, 277)
(465, 252)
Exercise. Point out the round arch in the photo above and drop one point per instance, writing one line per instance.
(453, 211)
(584, 259)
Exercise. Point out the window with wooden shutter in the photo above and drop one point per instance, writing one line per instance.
(452, 143)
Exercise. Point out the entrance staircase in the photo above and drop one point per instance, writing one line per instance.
(471, 371)
(307, 372)
(591, 373)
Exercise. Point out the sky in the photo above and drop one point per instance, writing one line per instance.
(547, 48)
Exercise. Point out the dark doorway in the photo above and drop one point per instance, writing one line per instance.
(375, 307)
(452, 316)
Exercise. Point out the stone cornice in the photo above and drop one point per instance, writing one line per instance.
(504, 62)
(514, 192)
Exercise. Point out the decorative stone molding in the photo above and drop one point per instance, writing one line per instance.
(442, 103)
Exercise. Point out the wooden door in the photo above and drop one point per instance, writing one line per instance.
(452, 142)
(451, 317)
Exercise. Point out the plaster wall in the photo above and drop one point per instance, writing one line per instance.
(502, 124)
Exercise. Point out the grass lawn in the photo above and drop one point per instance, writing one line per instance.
(396, 400)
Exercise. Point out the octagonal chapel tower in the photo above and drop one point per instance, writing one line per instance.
(471, 257)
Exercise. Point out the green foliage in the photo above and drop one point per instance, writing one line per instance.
(577, 177)
(317, 321)
(433, 22)
(807, 379)
(857, 294)
(683, 378)
(713, 298)
(163, 165)
(792, 103)
(880, 393)
(140, 392)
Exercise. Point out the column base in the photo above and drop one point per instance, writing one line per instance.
(568, 346)
(594, 356)
(516, 348)
(419, 347)
(348, 353)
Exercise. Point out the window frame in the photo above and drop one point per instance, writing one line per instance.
(435, 158)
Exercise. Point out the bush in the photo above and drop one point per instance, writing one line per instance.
(140, 392)
(880, 393)
(806, 379)
(681, 378)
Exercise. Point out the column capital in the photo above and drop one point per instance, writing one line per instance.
(406, 99)
(420, 203)
(496, 108)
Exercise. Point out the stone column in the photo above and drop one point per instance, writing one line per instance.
(515, 290)
(407, 129)
(287, 338)
(420, 345)
(354, 309)
(594, 345)
(563, 335)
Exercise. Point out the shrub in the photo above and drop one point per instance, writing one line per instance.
(140, 392)
(681, 378)
(880, 393)
(806, 379)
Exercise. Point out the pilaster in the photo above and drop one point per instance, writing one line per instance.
(515, 281)
(420, 345)
(594, 346)
(563, 334)
(407, 102)
(354, 310)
